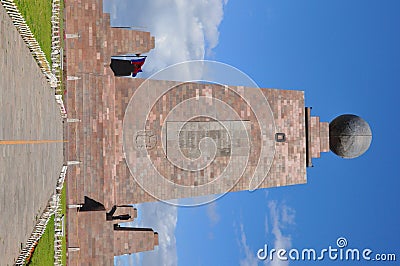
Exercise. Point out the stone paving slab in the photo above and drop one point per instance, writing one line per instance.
(28, 172)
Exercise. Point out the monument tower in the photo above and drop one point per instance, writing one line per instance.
(134, 140)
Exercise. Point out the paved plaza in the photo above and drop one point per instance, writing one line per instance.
(28, 172)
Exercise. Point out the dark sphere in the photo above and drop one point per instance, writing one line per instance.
(349, 136)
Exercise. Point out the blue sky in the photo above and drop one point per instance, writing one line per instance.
(345, 55)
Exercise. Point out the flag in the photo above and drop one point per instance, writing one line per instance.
(137, 65)
(123, 68)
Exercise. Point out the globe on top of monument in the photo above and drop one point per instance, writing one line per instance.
(349, 136)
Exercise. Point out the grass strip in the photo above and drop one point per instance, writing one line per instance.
(44, 251)
(37, 14)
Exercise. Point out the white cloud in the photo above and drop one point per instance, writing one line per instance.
(184, 30)
(131, 260)
(209, 200)
(250, 258)
(212, 213)
(266, 225)
(279, 218)
(288, 215)
(135, 259)
(162, 218)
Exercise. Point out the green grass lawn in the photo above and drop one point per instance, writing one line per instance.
(62, 87)
(37, 14)
(63, 212)
(44, 251)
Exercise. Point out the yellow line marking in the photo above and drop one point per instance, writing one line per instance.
(18, 142)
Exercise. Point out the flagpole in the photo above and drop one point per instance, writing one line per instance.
(137, 55)
(130, 27)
